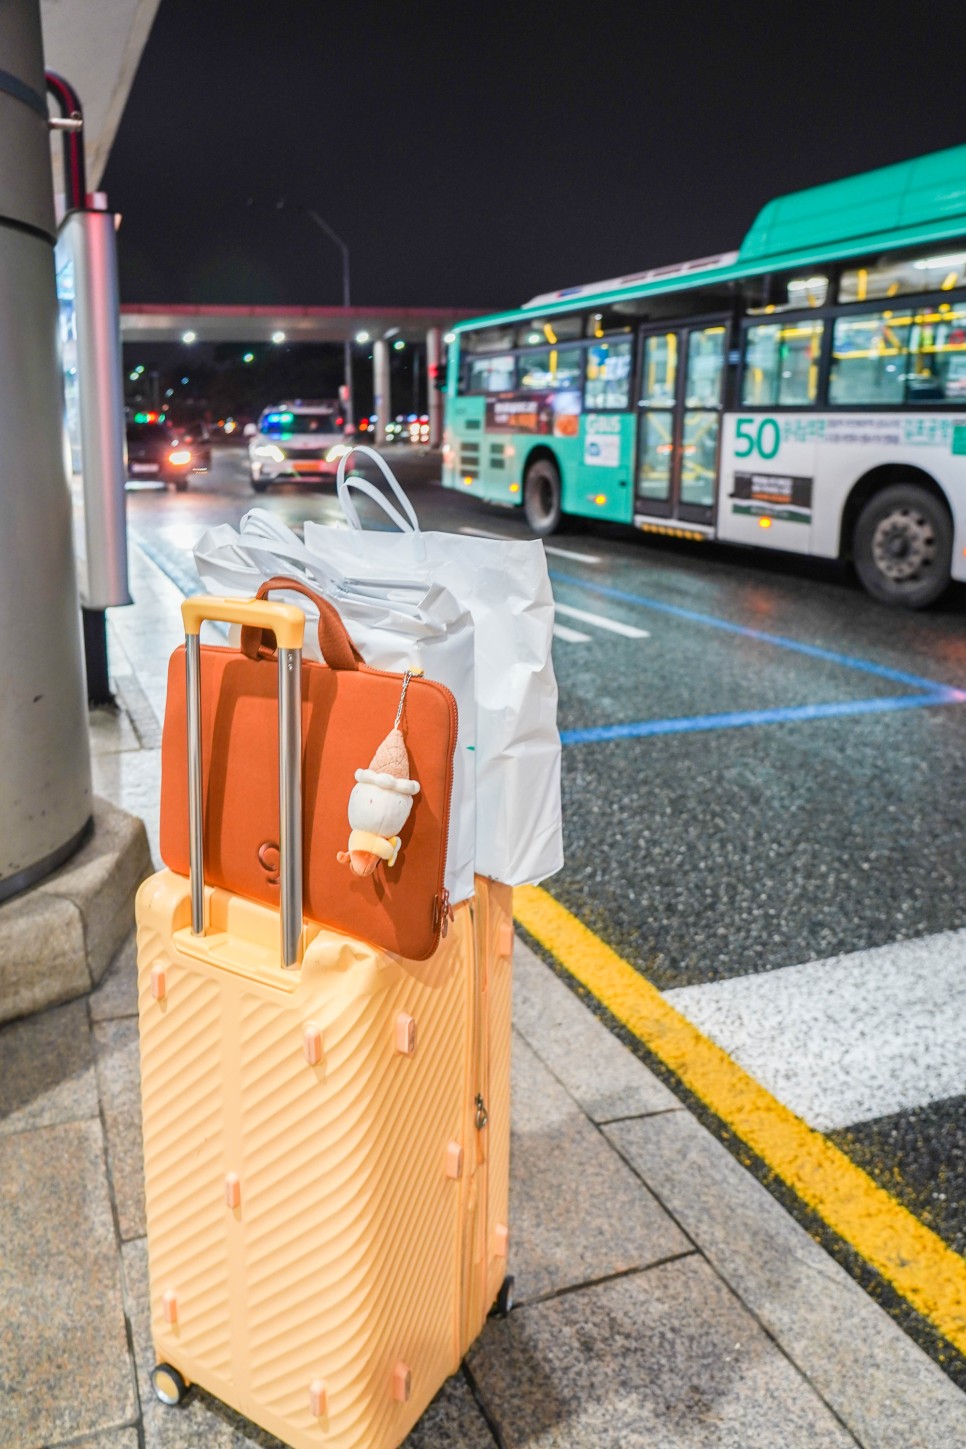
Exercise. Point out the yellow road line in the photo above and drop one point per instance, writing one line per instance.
(914, 1260)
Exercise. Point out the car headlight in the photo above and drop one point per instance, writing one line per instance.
(179, 456)
(269, 450)
(338, 451)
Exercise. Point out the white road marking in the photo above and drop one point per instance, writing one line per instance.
(482, 533)
(850, 1038)
(571, 636)
(599, 622)
(569, 553)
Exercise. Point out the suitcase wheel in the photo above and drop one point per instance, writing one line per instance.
(504, 1299)
(168, 1384)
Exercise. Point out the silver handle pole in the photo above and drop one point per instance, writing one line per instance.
(290, 800)
(196, 829)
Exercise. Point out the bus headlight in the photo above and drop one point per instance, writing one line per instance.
(269, 450)
(338, 451)
(179, 457)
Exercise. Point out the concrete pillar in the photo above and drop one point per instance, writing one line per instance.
(382, 401)
(434, 353)
(45, 775)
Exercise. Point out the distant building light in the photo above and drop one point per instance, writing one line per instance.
(169, 392)
(278, 336)
(184, 382)
(362, 336)
(249, 357)
(449, 337)
(398, 345)
(134, 376)
(189, 337)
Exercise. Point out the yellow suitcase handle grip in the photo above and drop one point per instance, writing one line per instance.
(286, 621)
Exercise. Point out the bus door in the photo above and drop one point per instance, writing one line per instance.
(679, 421)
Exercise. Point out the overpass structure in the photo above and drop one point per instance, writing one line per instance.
(378, 326)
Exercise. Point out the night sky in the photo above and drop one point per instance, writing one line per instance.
(474, 155)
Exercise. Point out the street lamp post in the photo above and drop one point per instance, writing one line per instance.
(323, 225)
(347, 345)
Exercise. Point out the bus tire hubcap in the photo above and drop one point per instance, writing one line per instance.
(904, 545)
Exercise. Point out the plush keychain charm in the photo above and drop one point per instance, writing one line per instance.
(381, 800)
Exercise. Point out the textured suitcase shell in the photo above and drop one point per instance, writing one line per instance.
(327, 1223)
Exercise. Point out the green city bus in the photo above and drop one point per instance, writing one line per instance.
(806, 393)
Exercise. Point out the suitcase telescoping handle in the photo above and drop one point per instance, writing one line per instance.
(287, 623)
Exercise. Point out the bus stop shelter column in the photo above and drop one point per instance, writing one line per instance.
(382, 401)
(45, 771)
(434, 352)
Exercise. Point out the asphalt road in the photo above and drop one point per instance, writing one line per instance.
(766, 775)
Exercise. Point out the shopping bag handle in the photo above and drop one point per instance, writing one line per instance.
(335, 646)
(409, 524)
(260, 530)
(287, 623)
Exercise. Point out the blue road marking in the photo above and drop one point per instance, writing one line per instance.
(830, 656)
(739, 718)
(931, 693)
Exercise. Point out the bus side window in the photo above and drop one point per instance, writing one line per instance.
(608, 375)
(869, 358)
(491, 373)
(552, 369)
(937, 350)
(781, 364)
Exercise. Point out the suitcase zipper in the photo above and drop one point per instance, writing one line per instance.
(479, 1046)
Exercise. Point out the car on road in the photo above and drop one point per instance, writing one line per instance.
(155, 451)
(195, 435)
(296, 440)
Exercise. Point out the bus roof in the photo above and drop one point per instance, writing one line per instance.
(908, 204)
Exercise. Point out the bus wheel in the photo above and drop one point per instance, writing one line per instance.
(541, 496)
(903, 546)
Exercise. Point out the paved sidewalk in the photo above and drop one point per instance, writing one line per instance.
(664, 1298)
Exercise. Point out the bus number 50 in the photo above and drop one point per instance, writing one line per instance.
(765, 441)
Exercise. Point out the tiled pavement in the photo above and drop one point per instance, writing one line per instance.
(664, 1298)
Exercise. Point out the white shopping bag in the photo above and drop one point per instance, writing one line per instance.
(504, 584)
(400, 624)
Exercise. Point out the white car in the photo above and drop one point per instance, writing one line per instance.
(296, 440)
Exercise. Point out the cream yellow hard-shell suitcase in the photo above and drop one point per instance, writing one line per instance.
(326, 1144)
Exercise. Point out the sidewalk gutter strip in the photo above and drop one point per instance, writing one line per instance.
(930, 1276)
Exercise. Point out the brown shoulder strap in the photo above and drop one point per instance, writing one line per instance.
(336, 647)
